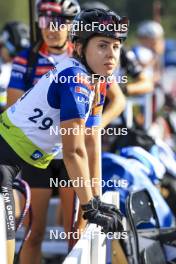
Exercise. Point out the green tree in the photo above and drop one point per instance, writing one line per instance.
(13, 10)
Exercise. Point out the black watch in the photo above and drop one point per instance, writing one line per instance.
(92, 204)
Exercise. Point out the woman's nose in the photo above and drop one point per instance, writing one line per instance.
(110, 52)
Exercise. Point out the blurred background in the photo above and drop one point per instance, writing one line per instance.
(161, 10)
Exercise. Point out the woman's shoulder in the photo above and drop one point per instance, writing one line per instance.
(23, 56)
(71, 66)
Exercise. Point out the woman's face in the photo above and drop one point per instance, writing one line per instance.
(54, 38)
(155, 44)
(102, 55)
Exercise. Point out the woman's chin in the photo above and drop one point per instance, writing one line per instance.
(107, 73)
(104, 73)
(52, 44)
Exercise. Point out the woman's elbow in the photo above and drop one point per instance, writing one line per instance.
(74, 152)
(121, 103)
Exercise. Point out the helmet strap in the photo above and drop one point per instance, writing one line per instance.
(84, 61)
(61, 46)
(58, 49)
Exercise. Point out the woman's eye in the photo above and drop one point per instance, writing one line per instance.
(103, 46)
(116, 47)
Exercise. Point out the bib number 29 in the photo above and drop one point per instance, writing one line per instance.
(46, 122)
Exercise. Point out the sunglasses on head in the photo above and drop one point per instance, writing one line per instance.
(114, 20)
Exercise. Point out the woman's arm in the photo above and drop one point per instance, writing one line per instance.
(141, 85)
(93, 148)
(115, 105)
(76, 158)
(12, 95)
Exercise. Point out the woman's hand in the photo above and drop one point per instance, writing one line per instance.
(110, 221)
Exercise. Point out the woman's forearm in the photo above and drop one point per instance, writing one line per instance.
(113, 110)
(76, 159)
(77, 167)
(140, 86)
(93, 147)
(115, 105)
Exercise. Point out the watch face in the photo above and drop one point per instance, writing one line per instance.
(95, 204)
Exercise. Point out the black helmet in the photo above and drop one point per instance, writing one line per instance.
(102, 22)
(15, 37)
(65, 8)
(95, 4)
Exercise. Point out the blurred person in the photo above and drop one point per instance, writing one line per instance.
(53, 46)
(13, 38)
(149, 53)
(151, 35)
(151, 47)
(138, 83)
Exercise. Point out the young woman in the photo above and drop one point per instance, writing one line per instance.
(55, 47)
(25, 126)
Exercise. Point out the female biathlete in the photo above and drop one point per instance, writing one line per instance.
(54, 47)
(25, 127)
